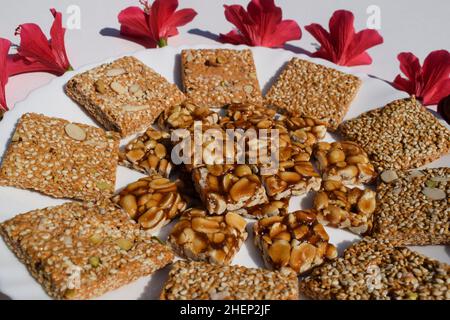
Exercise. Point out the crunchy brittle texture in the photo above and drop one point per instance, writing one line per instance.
(314, 90)
(376, 270)
(61, 159)
(125, 95)
(152, 201)
(215, 78)
(148, 153)
(202, 237)
(344, 161)
(203, 281)
(79, 250)
(400, 135)
(413, 207)
(296, 241)
(228, 187)
(346, 208)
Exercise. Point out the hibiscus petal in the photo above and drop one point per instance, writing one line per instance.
(18, 65)
(361, 59)
(436, 69)
(160, 13)
(362, 41)
(326, 50)
(4, 48)
(178, 19)
(286, 30)
(409, 65)
(133, 22)
(57, 33)
(233, 37)
(441, 90)
(34, 44)
(341, 33)
(403, 84)
(236, 14)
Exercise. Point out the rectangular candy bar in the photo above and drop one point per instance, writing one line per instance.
(401, 135)
(313, 90)
(216, 78)
(80, 250)
(189, 280)
(125, 95)
(296, 241)
(61, 159)
(413, 207)
(202, 237)
(377, 270)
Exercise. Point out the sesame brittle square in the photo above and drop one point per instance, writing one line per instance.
(413, 207)
(61, 159)
(190, 280)
(80, 250)
(401, 135)
(313, 90)
(125, 95)
(216, 78)
(377, 270)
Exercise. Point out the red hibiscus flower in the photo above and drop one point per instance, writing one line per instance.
(342, 45)
(260, 25)
(154, 24)
(36, 53)
(4, 49)
(429, 83)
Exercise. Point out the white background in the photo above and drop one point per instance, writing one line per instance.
(418, 26)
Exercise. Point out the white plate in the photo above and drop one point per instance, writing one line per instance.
(17, 283)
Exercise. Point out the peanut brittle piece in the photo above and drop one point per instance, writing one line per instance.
(296, 241)
(202, 237)
(183, 116)
(272, 208)
(228, 187)
(377, 270)
(191, 280)
(61, 159)
(344, 161)
(149, 153)
(346, 208)
(81, 250)
(413, 207)
(152, 201)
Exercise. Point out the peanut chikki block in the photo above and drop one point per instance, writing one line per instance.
(202, 237)
(125, 95)
(413, 207)
(296, 241)
(346, 208)
(190, 280)
(376, 270)
(80, 250)
(61, 159)
(314, 90)
(215, 78)
(228, 187)
(293, 174)
(148, 153)
(183, 117)
(400, 135)
(269, 209)
(152, 201)
(344, 161)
